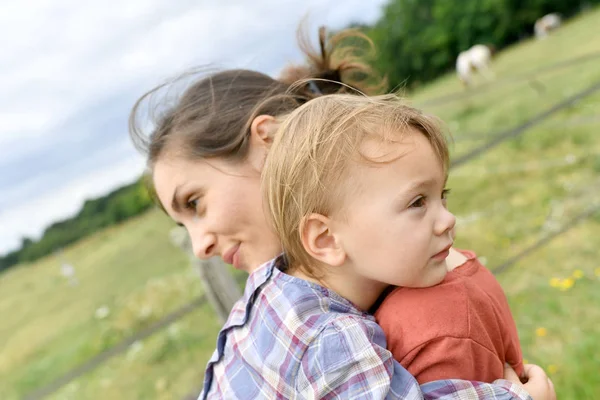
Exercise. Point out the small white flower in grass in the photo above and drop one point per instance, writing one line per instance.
(551, 226)
(145, 312)
(173, 331)
(570, 159)
(557, 209)
(102, 312)
(135, 348)
(72, 387)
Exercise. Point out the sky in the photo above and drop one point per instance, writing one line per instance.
(70, 72)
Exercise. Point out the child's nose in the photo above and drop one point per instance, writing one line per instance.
(445, 222)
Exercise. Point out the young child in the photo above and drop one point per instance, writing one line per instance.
(355, 189)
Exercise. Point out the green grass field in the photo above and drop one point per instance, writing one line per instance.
(506, 199)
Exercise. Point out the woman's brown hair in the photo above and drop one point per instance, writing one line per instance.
(212, 117)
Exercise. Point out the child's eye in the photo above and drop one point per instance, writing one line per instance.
(420, 202)
(445, 194)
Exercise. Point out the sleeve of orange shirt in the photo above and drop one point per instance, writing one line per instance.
(462, 358)
(513, 351)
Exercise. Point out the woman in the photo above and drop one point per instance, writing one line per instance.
(206, 154)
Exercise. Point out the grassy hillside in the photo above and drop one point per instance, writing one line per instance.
(506, 199)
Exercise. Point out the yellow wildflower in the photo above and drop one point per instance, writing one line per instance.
(578, 274)
(541, 332)
(567, 284)
(552, 369)
(161, 384)
(555, 282)
(597, 272)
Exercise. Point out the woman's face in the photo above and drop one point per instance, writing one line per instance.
(220, 205)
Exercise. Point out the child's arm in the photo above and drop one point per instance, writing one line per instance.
(513, 355)
(452, 358)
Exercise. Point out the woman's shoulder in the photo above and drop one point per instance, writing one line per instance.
(307, 298)
(304, 309)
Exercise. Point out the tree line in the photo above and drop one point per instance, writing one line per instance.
(96, 214)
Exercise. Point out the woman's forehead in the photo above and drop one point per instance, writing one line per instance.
(171, 173)
(166, 177)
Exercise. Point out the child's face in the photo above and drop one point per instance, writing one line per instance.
(395, 227)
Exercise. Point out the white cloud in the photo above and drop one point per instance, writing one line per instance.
(69, 68)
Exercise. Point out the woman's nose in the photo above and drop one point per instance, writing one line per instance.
(203, 244)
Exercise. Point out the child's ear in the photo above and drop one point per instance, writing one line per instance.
(319, 241)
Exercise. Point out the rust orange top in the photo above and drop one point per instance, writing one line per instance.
(461, 328)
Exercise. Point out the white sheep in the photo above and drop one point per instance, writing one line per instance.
(476, 59)
(546, 24)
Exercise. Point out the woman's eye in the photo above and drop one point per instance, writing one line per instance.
(196, 207)
(420, 202)
(191, 204)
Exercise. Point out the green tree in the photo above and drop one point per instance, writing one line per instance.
(418, 40)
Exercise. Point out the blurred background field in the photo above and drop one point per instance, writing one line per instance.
(506, 199)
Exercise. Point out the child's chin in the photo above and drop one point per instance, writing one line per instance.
(436, 277)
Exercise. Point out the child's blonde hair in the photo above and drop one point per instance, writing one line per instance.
(313, 148)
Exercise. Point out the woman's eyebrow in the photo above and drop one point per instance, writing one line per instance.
(175, 201)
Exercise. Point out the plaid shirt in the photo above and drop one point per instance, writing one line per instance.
(291, 339)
